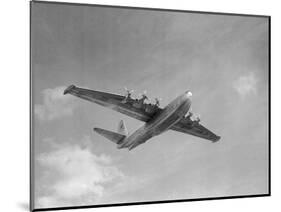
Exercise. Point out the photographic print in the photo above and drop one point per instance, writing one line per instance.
(137, 105)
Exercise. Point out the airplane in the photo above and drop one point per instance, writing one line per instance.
(175, 116)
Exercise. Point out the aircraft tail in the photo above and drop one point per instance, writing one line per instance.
(122, 129)
(112, 136)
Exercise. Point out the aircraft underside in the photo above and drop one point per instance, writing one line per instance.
(157, 120)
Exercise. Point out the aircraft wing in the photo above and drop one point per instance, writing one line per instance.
(112, 101)
(188, 126)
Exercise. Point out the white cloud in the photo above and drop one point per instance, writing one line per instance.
(246, 85)
(76, 176)
(55, 104)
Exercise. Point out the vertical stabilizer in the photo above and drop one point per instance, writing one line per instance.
(122, 129)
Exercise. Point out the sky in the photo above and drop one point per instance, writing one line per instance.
(222, 59)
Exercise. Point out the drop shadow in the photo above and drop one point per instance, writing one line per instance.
(24, 206)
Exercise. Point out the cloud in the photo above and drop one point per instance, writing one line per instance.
(55, 104)
(75, 176)
(246, 85)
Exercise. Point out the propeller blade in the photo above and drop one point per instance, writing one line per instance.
(189, 114)
(157, 100)
(198, 118)
(128, 91)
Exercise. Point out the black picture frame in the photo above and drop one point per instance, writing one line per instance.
(148, 202)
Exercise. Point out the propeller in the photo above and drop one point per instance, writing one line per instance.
(129, 92)
(189, 114)
(143, 95)
(157, 101)
(197, 119)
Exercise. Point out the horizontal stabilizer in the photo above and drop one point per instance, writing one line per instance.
(112, 136)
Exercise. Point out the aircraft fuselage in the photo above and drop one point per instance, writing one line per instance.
(161, 122)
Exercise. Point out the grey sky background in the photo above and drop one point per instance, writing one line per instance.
(222, 59)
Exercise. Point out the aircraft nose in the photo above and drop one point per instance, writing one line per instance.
(188, 94)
